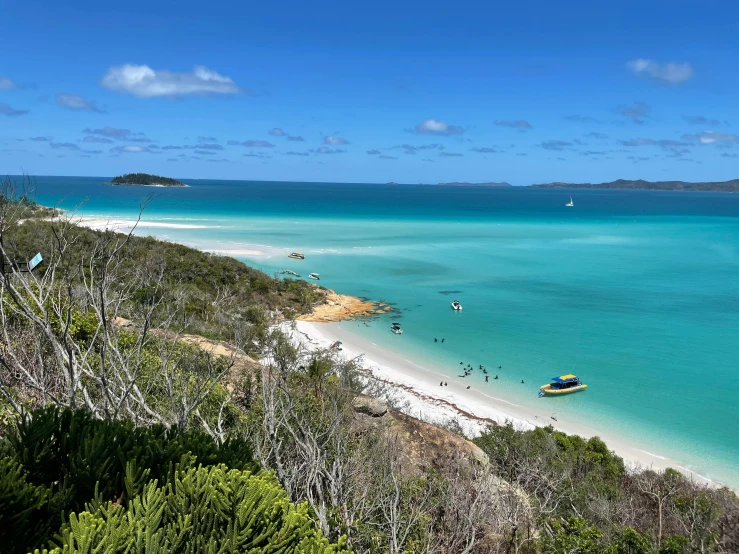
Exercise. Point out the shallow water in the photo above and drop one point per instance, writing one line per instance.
(636, 292)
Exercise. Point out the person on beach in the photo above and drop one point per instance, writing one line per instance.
(468, 386)
(441, 384)
(486, 378)
(435, 340)
(446, 384)
(522, 381)
(442, 340)
(496, 376)
(500, 367)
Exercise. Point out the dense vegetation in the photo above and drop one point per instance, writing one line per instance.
(640, 184)
(75, 484)
(218, 297)
(145, 179)
(122, 437)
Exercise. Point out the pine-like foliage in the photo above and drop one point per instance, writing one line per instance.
(200, 511)
(58, 461)
(26, 510)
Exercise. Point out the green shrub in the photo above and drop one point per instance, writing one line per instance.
(83, 459)
(200, 510)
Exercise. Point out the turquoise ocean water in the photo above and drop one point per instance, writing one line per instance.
(637, 291)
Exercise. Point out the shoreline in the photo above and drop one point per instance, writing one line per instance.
(417, 386)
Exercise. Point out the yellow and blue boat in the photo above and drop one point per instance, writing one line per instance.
(564, 384)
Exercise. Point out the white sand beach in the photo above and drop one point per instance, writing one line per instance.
(416, 389)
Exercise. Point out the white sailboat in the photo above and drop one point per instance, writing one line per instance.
(570, 203)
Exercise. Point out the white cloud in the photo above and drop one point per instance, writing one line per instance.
(434, 127)
(327, 150)
(277, 132)
(671, 73)
(130, 149)
(145, 82)
(76, 102)
(7, 84)
(334, 141)
(709, 137)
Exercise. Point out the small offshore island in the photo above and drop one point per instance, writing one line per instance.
(640, 184)
(145, 180)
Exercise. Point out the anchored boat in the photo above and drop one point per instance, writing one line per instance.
(456, 305)
(296, 255)
(314, 276)
(564, 384)
(288, 272)
(395, 328)
(570, 204)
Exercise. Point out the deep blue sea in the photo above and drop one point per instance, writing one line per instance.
(636, 292)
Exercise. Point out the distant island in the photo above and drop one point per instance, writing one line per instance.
(145, 180)
(640, 184)
(466, 184)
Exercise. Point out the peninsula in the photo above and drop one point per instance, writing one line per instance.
(640, 184)
(145, 180)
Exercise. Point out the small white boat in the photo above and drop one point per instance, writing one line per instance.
(314, 276)
(456, 305)
(395, 328)
(570, 203)
(288, 272)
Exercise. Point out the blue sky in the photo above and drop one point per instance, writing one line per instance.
(523, 92)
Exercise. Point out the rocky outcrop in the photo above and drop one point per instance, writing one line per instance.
(422, 446)
(369, 406)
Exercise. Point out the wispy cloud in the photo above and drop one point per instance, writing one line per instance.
(483, 150)
(208, 146)
(597, 135)
(637, 112)
(277, 132)
(261, 155)
(297, 154)
(251, 143)
(434, 127)
(327, 150)
(449, 154)
(670, 73)
(334, 141)
(727, 155)
(701, 120)
(77, 103)
(131, 149)
(207, 139)
(709, 137)
(515, 124)
(64, 146)
(40, 139)
(7, 84)
(676, 148)
(144, 82)
(386, 157)
(374, 152)
(100, 140)
(558, 145)
(117, 134)
(7, 110)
